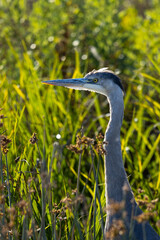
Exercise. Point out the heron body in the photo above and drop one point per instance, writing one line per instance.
(117, 187)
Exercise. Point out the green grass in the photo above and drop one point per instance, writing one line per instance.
(38, 197)
(38, 188)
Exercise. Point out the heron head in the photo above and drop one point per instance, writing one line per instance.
(101, 81)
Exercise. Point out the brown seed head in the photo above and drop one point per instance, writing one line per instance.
(23, 206)
(31, 190)
(11, 224)
(66, 200)
(56, 211)
(140, 190)
(117, 228)
(5, 150)
(4, 141)
(79, 199)
(99, 144)
(146, 198)
(155, 200)
(30, 233)
(74, 148)
(11, 210)
(33, 139)
(115, 207)
(74, 191)
(99, 148)
(125, 188)
(84, 141)
(141, 202)
(144, 217)
(55, 205)
(150, 205)
(100, 137)
(5, 230)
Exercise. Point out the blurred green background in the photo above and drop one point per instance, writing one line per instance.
(53, 39)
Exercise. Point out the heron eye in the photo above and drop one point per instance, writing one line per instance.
(95, 80)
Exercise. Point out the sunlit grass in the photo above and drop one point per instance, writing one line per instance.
(39, 186)
(38, 179)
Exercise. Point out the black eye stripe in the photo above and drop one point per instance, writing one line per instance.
(114, 78)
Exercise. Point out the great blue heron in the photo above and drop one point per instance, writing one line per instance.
(107, 83)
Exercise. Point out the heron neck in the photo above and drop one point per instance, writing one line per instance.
(115, 175)
(116, 106)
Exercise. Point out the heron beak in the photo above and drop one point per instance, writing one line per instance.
(76, 83)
